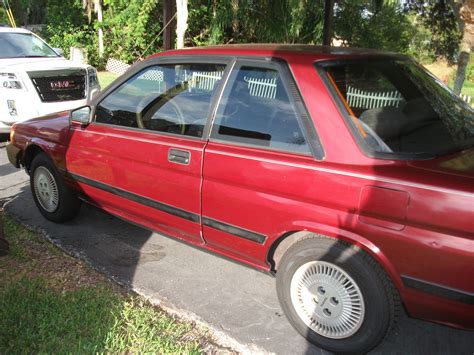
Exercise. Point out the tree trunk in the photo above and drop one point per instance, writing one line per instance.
(168, 31)
(466, 26)
(182, 22)
(235, 19)
(463, 61)
(98, 8)
(327, 26)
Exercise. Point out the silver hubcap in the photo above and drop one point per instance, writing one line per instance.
(327, 299)
(46, 189)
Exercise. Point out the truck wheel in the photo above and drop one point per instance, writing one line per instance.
(336, 295)
(53, 198)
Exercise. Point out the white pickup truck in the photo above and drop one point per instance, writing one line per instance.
(35, 80)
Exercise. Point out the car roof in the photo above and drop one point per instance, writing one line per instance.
(281, 50)
(13, 30)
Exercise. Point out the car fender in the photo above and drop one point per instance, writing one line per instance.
(53, 150)
(299, 230)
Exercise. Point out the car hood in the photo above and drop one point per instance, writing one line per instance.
(459, 164)
(34, 64)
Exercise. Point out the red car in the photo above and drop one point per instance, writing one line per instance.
(349, 174)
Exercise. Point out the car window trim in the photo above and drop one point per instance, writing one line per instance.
(142, 66)
(144, 130)
(302, 115)
(215, 101)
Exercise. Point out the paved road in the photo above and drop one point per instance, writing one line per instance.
(233, 299)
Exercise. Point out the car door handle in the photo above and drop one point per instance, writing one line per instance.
(179, 156)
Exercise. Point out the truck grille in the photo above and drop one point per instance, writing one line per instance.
(59, 85)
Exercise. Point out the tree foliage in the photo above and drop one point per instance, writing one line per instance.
(359, 23)
(66, 26)
(286, 21)
(129, 28)
(439, 17)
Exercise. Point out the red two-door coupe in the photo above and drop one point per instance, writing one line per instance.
(347, 173)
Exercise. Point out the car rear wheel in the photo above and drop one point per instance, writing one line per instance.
(53, 198)
(336, 295)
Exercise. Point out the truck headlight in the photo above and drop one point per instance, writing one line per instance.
(10, 81)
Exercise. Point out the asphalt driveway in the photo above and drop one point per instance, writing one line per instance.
(238, 303)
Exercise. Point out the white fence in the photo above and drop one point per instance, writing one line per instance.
(205, 80)
(368, 100)
(465, 98)
(265, 88)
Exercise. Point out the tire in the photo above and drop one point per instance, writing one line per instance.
(314, 279)
(56, 202)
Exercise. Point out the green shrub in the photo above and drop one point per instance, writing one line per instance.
(130, 32)
(470, 71)
(67, 26)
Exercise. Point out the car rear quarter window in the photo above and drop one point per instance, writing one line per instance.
(256, 110)
(166, 98)
(398, 108)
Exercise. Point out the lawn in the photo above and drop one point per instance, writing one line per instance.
(468, 89)
(443, 71)
(53, 303)
(105, 78)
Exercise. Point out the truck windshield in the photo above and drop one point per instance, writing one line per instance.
(23, 45)
(396, 106)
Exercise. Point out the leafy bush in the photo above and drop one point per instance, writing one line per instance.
(68, 27)
(84, 37)
(3, 17)
(130, 27)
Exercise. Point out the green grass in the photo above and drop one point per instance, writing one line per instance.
(52, 303)
(443, 71)
(468, 88)
(105, 78)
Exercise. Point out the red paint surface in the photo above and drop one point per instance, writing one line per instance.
(383, 207)
(415, 219)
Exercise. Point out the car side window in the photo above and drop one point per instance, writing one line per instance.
(256, 110)
(166, 98)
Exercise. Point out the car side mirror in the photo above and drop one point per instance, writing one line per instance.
(59, 51)
(81, 115)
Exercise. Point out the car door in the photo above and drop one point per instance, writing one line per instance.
(141, 157)
(252, 180)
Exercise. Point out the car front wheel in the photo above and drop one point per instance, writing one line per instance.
(53, 198)
(336, 295)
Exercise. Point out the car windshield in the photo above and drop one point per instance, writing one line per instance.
(396, 106)
(23, 45)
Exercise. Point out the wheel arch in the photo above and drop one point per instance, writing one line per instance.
(31, 151)
(36, 146)
(282, 243)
